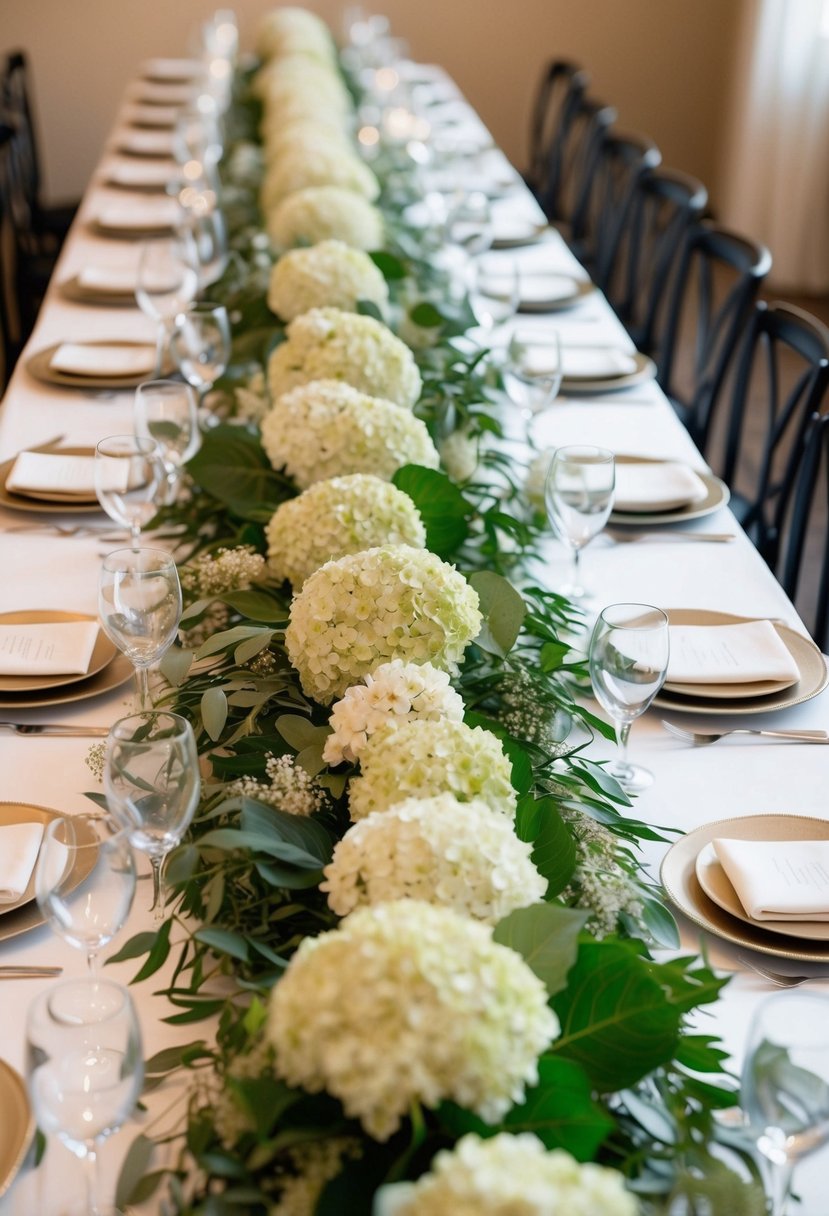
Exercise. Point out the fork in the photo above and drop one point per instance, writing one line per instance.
(711, 538)
(779, 978)
(41, 728)
(29, 973)
(704, 738)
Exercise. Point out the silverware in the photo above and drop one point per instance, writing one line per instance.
(619, 398)
(703, 738)
(711, 538)
(779, 978)
(29, 973)
(65, 530)
(54, 728)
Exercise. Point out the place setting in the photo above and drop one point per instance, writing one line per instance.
(105, 363)
(104, 285)
(51, 657)
(131, 141)
(152, 117)
(589, 368)
(150, 176)
(50, 479)
(650, 491)
(139, 220)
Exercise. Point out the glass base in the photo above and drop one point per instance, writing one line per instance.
(631, 777)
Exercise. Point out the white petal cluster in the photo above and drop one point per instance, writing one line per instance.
(511, 1176)
(327, 429)
(391, 602)
(394, 693)
(224, 570)
(330, 273)
(462, 855)
(325, 164)
(339, 516)
(405, 1002)
(419, 759)
(459, 454)
(293, 30)
(321, 213)
(329, 344)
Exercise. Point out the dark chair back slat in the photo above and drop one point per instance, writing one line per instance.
(568, 207)
(803, 521)
(562, 86)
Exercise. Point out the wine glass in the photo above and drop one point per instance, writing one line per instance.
(165, 412)
(579, 496)
(151, 779)
(206, 228)
(533, 370)
(85, 881)
(628, 659)
(785, 1084)
(167, 282)
(469, 222)
(495, 290)
(84, 1067)
(128, 477)
(139, 603)
(201, 345)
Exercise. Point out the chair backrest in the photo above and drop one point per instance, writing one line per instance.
(708, 310)
(9, 323)
(568, 206)
(562, 85)
(16, 111)
(802, 562)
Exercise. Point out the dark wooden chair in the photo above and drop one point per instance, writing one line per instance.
(563, 84)
(568, 206)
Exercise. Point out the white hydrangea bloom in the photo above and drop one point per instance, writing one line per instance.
(328, 274)
(462, 855)
(324, 165)
(459, 454)
(394, 692)
(301, 105)
(510, 1176)
(321, 213)
(405, 1002)
(419, 759)
(329, 344)
(385, 603)
(293, 30)
(252, 400)
(536, 476)
(327, 429)
(280, 137)
(339, 516)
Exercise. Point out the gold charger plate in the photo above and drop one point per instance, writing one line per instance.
(17, 1126)
(679, 878)
(644, 370)
(19, 917)
(72, 289)
(723, 699)
(103, 652)
(39, 365)
(717, 496)
(130, 232)
(115, 673)
(579, 288)
(526, 233)
(717, 886)
(47, 504)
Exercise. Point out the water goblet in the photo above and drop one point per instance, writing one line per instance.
(151, 779)
(167, 282)
(469, 222)
(495, 290)
(128, 477)
(628, 659)
(85, 881)
(84, 1068)
(165, 411)
(579, 495)
(206, 227)
(139, 604)
(533, 370)
(201, 346)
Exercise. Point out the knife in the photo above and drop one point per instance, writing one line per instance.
(54, 728)
(29, 973)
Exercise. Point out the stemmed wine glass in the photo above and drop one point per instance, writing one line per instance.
(152, 785)
(533, 370)
(128, 477)
(165, 411)
(495, 290)
(85, 881)
(201, 345)
(579, 495)
(628, 659)
(205, 226)
(84, 1067)
(469, 223)
(168, 280)
(139, 603)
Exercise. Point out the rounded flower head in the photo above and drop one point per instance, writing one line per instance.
(420, 759)
(328, 166)
(329, 344)
(321, 213)
(394, 692)
(462, 855)
(336, 517)
(280, 137)
(510, 1176)
(410, 1002)
(292, 30)
(330, 273)
(326, 429)
(392, 602)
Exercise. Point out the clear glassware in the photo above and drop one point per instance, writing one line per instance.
(151, 779)
(578, 492)
(206, 227)
(129, 474)
(167, 283)
(533, 370)
(785, 1084)
(469, 222)
(166, 412)
(628, 659)
(139, 604)
(84, 1068)
(494, 290)
(85, 881)
(201, 346)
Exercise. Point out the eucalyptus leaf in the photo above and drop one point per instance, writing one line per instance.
(299, 732)
(133, 1169)
(214, 712)
(175, 665)
(426, 315)
(503, 610)
(228, 638)
(223, 941)
(256, 605)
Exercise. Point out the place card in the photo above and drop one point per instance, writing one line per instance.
(778, 879)
(19, 847)
(658, 486)
(112, 359)
(729, 654)
(52, 648)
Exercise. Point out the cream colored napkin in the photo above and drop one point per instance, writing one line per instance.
(156, 92)
(112, 359)
(159, 213)
(729, 654)
(656, 487)
(547, 289)
(34, 472)
(53, 648)
(19, 844)
(594, 362)
(153, 116)
(119, 280)
(138, 174)
(170, 69)
(147, 143)
(778, 879)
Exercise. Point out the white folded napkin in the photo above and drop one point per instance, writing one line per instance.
(19, 845)
(778, 879)
(115, 280)
(147, 143)
(166, 94)
(729, 654)
(652, 487)
(547, 289)
(51, 472)
(170, 69)
(514, 228)
(131, 173)
(159, 213)
(153, 116)
(593, 362)
(103, 360)
(52, 648)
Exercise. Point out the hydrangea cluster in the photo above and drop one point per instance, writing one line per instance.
(462, 855)
(312, 1166)
(511, 1176)
(289, 788)
(329, 344)
(225, 570)
(325, 165)
(293, 30)
(326, 429)
(392, 602)
(420, 759)
(339, 516)
(459, 454)
(252, 399)
(321, 213)
(330, 273)
(394, 692)
(409, 1002)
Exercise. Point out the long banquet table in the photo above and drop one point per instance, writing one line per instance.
(692, 786)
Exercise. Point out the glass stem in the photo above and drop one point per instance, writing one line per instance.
(622, 736)
(577, 567)
(160, 347)
(90, 1171)
(142, 683)
(157, 905)
(92, 963)
(779, 1181)
(135, 536)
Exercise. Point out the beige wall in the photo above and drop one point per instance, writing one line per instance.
(665, 64)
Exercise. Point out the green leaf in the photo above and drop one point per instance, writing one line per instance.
(302, 832)
(660, 923)
(299, 732)
(245, 651)
(158, 954)
(256, 605)
(426, 315)
(560, 1110)
(367, 308)
(229, 638)
(443, 508)
(133, 1170)
(140, 944)
(176, 664)
(223, 941)
(546, 937)
(503, 611)
(234, 469)
(554, 852)
(214, 712)
(181, 864)
(169, 1059)
(390, 267)
(199, 1011)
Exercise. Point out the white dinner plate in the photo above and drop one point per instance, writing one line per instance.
(644, 370)
(550, 292)
(717, 496)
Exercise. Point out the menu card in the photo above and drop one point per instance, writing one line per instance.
(51, 648)
(19, 845)
(729, 654)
